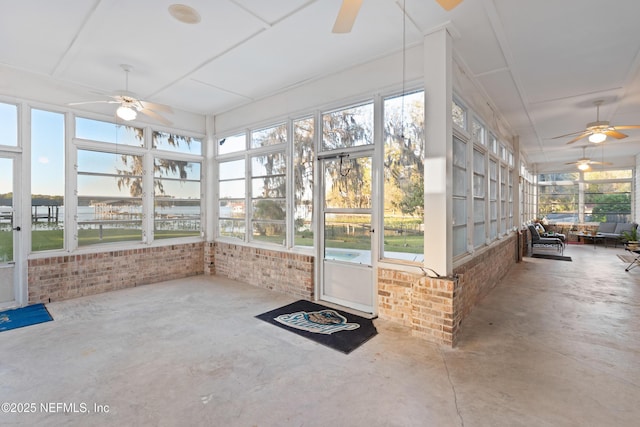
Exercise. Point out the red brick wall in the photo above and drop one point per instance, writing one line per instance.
(482, 273)
(285, 272)
(424, 304)
(70, 276)
(434, 308)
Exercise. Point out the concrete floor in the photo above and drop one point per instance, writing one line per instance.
(555, 344)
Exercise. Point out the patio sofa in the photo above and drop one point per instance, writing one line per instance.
(612, 231)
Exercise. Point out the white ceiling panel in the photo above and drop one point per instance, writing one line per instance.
(199, 97)
(542, 63)
(35, 34)
(259, 69)
(602, 42)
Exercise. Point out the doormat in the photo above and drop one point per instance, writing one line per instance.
(334, 328)
(25, 316)
(556, 257)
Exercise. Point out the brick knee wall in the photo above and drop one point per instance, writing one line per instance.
(424, 304)
(434, 308)
(71, 276)
(479, 275)
(289, 273)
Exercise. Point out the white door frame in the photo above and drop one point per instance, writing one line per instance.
(18, 263)
(344, 272)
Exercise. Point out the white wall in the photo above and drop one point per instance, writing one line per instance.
(359, 82)
(39, 90)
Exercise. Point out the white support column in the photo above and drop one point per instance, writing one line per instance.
(438, 246)
(515, 179)
(148, 194)
(210, 201)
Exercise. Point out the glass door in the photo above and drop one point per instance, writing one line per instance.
(8, 231)
(346, 223)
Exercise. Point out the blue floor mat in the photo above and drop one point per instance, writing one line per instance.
(25, 316)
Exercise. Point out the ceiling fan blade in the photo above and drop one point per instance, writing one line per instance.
(601, 163)
(579, 137)
(615, 134)
(627, 127)
(156, 107)
(572, 163)
(567, 134)
(346, 16)
(448, 4)
(92, 102)
(155, 116)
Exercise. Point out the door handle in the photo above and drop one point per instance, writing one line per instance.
(16, 228)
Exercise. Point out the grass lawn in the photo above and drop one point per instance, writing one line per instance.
(43, 240)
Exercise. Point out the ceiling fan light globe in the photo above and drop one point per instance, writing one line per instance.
(583, 166)
(597, 137)
(126, 113)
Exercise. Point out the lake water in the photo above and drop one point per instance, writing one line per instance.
(92, 214)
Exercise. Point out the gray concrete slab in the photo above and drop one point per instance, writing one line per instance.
(554, 344)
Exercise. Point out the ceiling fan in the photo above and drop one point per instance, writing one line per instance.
(599, 130)
(131, 105)
(349, 11)
(584, 163)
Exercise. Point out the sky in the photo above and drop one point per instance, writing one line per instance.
(47, 153)
(8, 136)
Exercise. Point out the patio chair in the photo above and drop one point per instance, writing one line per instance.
(544, 233)
(538, 242)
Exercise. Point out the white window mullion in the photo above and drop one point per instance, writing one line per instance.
(71, 185)
(248, 214)
(148, 196)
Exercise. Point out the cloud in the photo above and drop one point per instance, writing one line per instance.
(43, 160)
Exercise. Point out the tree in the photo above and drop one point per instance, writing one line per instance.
(350, 179)
(131, 175)
(404, 151)
(610, 207)
(303, 162)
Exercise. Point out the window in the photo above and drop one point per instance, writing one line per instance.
(270, 136)
(510, 199)
(232, 144)
(607, 196)
(176, 198)
(558, 197)
(459, 197)
(503, 199)
(404, 176)
(47, 180)
(493, 199)
(109, 197)
(350, 127)
(268, 186)
(303, 161)
(176, 184)
(477, 132)
(231, 209)
(95, 130)
(268, 198)
(253, 188)
(6, 210)
(493, 143)
(8, 125)
(458, 115)
(176, 143)
(134, 192)
(479, 190)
